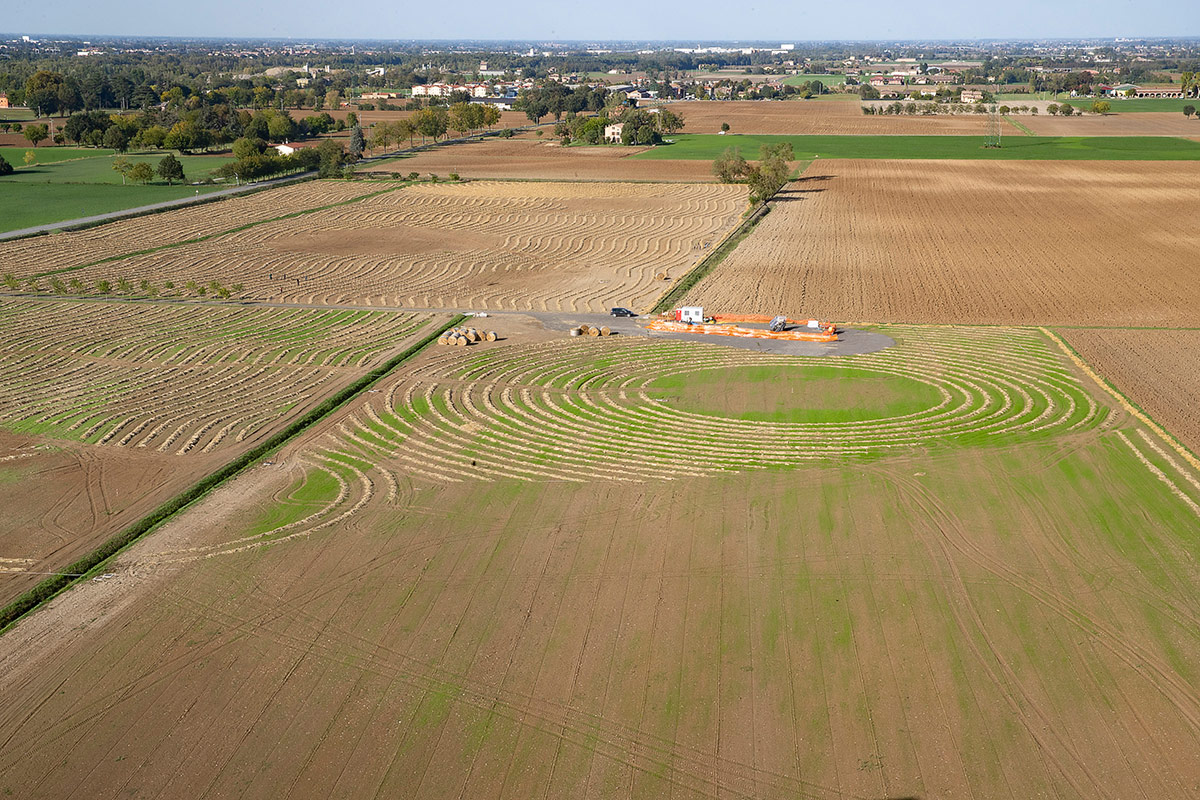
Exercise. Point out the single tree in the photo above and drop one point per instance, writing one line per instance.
(5, 167)
(357, 143)
(725, 127)
(141, 172)
(121, 166)
(730, 166)
(1101, 107)
(36, 133)
(1188, 110)
(170, 169)
(116, 139)
(29, 157)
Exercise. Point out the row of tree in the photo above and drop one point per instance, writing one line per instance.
(169, 169)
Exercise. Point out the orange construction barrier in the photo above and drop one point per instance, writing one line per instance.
(826, 333)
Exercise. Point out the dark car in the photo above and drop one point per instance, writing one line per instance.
(622, 312)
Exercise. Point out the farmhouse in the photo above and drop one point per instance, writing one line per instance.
(287, 148)
(972, 96)
(612, 133)
(3, 101)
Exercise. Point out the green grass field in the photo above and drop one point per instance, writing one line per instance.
(50, 155)
(69, 183)
(1034, 148)
(23, 205)
(804, 393)
(98, 168)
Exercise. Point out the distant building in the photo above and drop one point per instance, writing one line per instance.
(287, 148)
(612, 133)
(972, 96)
(3, 101)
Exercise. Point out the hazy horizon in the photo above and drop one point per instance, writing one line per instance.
(623, 20)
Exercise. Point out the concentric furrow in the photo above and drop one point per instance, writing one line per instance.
(479, 245)
(177, 380)
(575, 411)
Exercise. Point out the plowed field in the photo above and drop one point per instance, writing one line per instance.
(950, 241)
(107, 409)
(62, 250)
(816, 117)
(1157, 370)
(538, 246)
(536, 569)
(529, 158)
(1124, 124)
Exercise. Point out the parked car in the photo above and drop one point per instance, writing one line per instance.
(622, 312)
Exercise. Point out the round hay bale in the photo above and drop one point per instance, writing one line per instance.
(593, 332)
(462, 341)
(576, 332)
(476, 336)
(605, 330)
(583, 327)
(491, 336)
(442, 339)
(662, 276)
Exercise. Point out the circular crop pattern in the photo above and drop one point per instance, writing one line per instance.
(571, 410)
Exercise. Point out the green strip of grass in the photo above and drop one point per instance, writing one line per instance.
(88, 565)
(699, 147)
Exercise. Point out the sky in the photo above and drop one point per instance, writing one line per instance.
(573, 20)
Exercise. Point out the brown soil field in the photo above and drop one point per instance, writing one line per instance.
(1132, 124)
(99, 401)
(814, 117)
(527, 157)
(62, 498)
(935, 621)
(483, 245)
(1155, 369)
(70, 249)
(1072, 243)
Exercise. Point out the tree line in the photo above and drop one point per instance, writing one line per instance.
(765, 178)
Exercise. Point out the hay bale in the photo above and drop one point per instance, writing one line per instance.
(491, 336)
(584, 328)
(576, 332)
(462, 341)
(662, 276)
(593, 332)
(605, 330)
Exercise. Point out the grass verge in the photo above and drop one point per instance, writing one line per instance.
(85, 566)
(710, 261)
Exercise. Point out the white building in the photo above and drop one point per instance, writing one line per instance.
(612, 133)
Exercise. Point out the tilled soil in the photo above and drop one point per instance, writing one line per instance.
(800, 117)
(1156, 370)
(1075, 243)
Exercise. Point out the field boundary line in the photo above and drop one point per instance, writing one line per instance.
(707, 264)
(1125, 403)
(207, 236)
(90, 563)
(1019, 126)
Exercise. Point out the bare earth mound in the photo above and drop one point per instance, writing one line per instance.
(484, 245)
(800, 117)
(1157, 370)
(1073, 243)
(530, 158)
